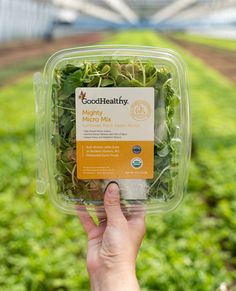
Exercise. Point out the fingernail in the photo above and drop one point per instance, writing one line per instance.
(113, 187)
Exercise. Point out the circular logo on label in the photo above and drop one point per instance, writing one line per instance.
(140, 110)
(136, 163)
(136, 149)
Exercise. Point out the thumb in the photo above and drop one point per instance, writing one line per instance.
(112, 205)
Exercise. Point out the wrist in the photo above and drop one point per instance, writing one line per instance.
(116, 280)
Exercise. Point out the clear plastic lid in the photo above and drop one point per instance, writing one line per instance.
(113, 113)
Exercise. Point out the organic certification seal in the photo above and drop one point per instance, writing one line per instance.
(136, 163)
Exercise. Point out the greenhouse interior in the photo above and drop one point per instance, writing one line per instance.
(191, 247)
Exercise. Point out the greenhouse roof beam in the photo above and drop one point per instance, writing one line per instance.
(123, 8)
(204, 9)
(171, 10)
(90, 9)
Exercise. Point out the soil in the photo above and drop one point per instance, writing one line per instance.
(13, 52)
(222, 60)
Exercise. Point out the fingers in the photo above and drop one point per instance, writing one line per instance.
(136, 221)
(112, 205)
(138, 214)
(86, 220)
(100, 214)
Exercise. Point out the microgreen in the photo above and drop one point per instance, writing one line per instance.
(125, 73)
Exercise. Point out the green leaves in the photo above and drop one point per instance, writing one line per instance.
(107, 82)
(72, 81)
(125, 73)
(115, 70)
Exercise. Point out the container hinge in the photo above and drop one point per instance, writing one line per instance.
(41, 170)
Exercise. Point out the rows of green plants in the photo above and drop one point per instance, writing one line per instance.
(221, 43)
(9, 74)
(191, 248)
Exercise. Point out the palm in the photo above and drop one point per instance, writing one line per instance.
(116, 240)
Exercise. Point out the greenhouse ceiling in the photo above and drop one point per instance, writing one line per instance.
(154, 12)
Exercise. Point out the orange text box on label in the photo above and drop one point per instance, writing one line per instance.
(115, 159)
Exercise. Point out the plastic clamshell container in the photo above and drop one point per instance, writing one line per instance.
(165, 74)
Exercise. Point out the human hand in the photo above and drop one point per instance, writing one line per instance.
(113, 245)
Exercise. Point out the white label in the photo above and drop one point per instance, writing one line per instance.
(115, 114)
(115, 133)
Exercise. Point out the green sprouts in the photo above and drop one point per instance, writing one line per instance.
(125, 73)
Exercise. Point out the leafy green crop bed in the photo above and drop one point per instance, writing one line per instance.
(192, 248)
(10, 73)
(228, 44)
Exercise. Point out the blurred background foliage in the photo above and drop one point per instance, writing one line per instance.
(191, 248)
